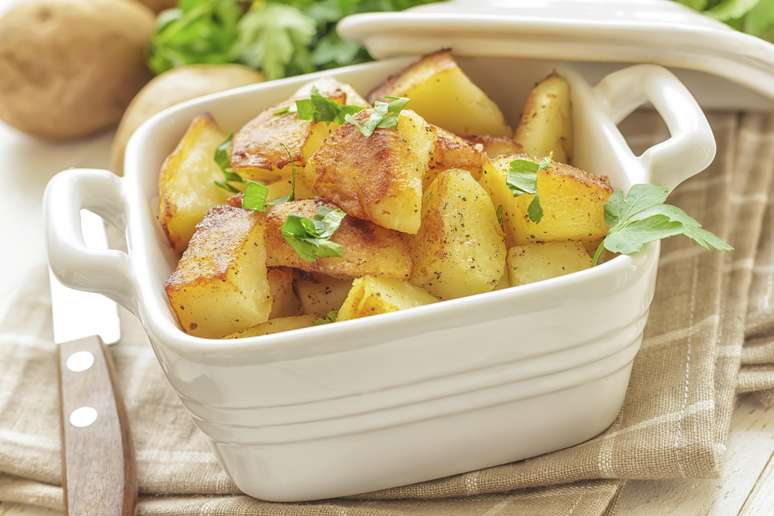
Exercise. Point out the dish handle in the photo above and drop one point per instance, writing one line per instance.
(690, 147)
(105, 271)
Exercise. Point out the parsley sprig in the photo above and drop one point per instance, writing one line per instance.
(641, 217)
(319, 108)
(522, 179)
(383, 116)
(223, 161)
(310, 238)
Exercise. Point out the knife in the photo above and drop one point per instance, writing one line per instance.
(98, 470)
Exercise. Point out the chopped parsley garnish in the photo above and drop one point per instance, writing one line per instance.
(319, 108)
(223, 161)
(328, 318)
(500, 212)
(522, 179)
(254, 196)
(641, 217)
(310, 238)
(383, 116)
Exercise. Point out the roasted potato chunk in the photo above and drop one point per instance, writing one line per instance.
(443, 95)
(284, 299)
(186, 183)
(277, 325)
(367, 248)
(269, 145)
(535, 262)
(370, 296)
(220, 285)
(376, 178)
(546, 121)
(319, 294)
(459, 249)
(494, 146)
(284, 186)
(451, 151)
(573, 203)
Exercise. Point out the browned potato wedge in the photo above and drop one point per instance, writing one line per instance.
(186, 183)
(494, 145)
(277, 325)
(459, 249)
(370, 296)
(573, 203)
(534, 262)
(442, 94)
(284, 299)
(367, 248)
(546, 121)
(319, 294)
(451, 151)
(220, 284)
(376, 178)
(269, 145)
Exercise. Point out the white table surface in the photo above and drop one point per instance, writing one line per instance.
(26, 164)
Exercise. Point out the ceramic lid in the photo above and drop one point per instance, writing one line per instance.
(642, 31)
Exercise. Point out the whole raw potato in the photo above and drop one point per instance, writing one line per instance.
(172, 87)
(159, 5)
(69, 68)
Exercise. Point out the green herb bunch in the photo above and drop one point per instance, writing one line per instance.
(280, 38)
(755, 17)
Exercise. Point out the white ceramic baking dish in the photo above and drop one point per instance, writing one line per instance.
(409, 396)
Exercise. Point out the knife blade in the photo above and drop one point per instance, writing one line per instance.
(98, 471)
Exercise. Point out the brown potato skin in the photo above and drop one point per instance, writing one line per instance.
(158, 5)
(173, 87)
(451, 151)
(69, 68)
(270, 142)
(367, 248)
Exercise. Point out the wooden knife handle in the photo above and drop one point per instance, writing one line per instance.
(98, 471)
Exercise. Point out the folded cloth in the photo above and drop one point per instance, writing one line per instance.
(673, 424)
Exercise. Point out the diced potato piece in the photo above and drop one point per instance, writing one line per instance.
(284, 299)
(367, 248)
(573, 203)
(493, 177)
(378, 178)
(319, 294)
(220, 284)
(284, 186)
(277, 325)
(371, 296)
(495, 145)
(459, 249)
(186, 183)
(451, 151)
(534, 262)
(442, 94)
(269, 145)
(546, 121)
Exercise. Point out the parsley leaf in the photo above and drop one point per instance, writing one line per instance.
(310, 238)
(328, 318)
(254, 196)
(223, 161)
(384, 115)
(319, 108)
(641, 217)
(522, 179)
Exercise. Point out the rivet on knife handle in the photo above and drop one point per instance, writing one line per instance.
(98, 470)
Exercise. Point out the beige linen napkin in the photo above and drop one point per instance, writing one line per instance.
(673, 424)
